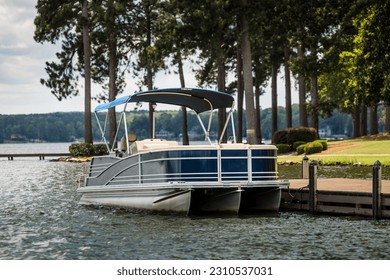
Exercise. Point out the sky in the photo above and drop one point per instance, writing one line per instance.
(22, 65)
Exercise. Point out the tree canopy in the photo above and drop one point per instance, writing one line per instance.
(337, 50)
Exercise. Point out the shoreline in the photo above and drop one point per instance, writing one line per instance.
(72, 159)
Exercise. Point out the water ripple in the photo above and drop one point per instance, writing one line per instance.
(40, 219)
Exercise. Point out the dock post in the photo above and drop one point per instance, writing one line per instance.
(313, 186)
(305, 167)
(376, 190)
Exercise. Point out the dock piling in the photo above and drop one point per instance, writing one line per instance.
(313, 186)
(305, 167)
(376, 190)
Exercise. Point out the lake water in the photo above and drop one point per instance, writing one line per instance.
(40, 219)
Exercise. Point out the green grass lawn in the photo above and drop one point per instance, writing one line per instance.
(356, 147)
(349, 171)
(348, 152)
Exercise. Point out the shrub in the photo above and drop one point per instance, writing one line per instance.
(87, 150)
(291, 135)
(82, 149)
(324, 143)
(305, 134)
(297, 144)
(280, 137)
(313, 147)
(301, 149)
(283, 148)
(100, 150)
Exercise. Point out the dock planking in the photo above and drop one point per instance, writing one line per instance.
(337, 196)
(41, 156)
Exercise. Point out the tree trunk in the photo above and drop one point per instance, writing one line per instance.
(248, 78)
(113, 62)
(387, 118)
(258, 109)
(302, 94)
(274, 91)
(314, 100)
(221, 87)
(374, 119)
(356, 122)
(363, 121)
(87, 75)
(149, 75)
(184, 128)
(240, 97)
(151, 111)
(287, 78)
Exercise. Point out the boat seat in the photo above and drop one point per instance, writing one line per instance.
(234, 146)
(151, 144)
(132, 137)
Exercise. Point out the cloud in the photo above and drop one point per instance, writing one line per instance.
(22, 60)
(22, 65)
(16, 21)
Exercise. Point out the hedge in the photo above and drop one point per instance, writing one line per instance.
(324, 143)
(87, 150)
(283, 148)
(301, 149)
(313, 148)
(297, 144)
(291, 135)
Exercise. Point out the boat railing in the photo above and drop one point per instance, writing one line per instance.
(214, 163)
(158, 144)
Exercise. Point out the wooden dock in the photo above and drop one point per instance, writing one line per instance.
(337, 196)
(41, 156)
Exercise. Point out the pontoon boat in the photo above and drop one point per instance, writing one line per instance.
(164, 176)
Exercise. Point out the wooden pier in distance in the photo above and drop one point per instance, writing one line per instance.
(354, 197)
(41, 156)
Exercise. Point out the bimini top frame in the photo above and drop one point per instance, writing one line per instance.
(199, 100)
